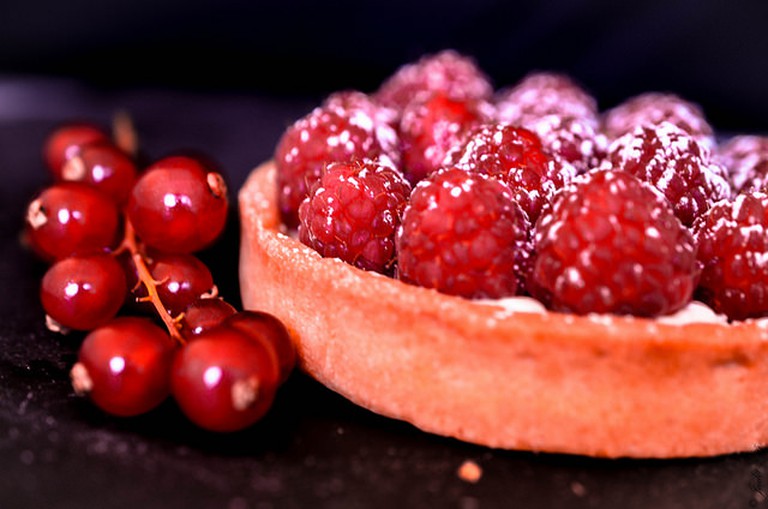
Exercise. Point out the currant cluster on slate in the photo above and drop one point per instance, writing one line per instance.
(120, 241)
(442, 182)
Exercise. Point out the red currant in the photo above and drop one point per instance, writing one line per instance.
(103, 166)
(270, 331)
(223, 380)
(204, 314)
(178, 205)
(71, 218)
(181, 279)
(83, 292)
(124, 366)
(65, 141)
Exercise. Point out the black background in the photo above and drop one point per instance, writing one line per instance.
(226, 78)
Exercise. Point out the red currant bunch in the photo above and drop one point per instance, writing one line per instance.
(117, 234)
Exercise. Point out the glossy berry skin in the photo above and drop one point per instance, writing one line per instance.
(83, 292)
(70, 218)
(463, 234)
(353, 213)
(178, 205)
(223, 380)
(446, 72)
(673, 162)
(270, 331)
(611, 244)
(182, 279)
(124, 366)
(104, 167)
(515, 156)
(66, 140)
(328, 134)
(733, 249)
(204, 314)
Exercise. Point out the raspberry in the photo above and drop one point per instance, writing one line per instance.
(653, 108)
(463, 234)
(544, 93)
(672, 161)
(746, 159)
(430, 127)
(513, 155)
(353, 213)
(446, 72)
(355, 100)
(573, 141)
(733, 250)
(611, 244)
(327, 134)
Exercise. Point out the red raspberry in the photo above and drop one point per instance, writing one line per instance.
(515, 156)
(544, 93)
(653, 108)
(746, 159)
(463, 234)
(672, 161)
(733, 250)
(326, 135)
(353, 213)
(446, 72)
(561, 113)
(611, 244)
(354, 100)
(430, 127)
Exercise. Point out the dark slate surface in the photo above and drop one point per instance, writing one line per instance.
(314, 449)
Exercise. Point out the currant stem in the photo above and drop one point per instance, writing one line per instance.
(145, 278)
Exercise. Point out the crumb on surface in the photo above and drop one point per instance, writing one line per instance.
(469, 471)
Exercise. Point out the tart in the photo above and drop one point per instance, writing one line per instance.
(507, 373)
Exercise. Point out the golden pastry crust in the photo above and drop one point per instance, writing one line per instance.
(603, 386)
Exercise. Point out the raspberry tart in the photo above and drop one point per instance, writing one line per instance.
(578, 331)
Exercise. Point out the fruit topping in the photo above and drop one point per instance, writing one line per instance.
(611, 244)
(431, 126)
(515, 156)
(671, 160)
(733, 252)
(353, 213)
(652, 108)
(746, 159)
(463, 234)
(327, 134)
(541, 94)
(447, 72)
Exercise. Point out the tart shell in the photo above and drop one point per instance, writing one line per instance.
(604, 386)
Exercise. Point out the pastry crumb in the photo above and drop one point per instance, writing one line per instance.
(578, 489)
(469, 471)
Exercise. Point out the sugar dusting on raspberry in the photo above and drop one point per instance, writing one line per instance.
(447, 72)
(610, 244)
(673, 162)
(733, 251)
(463, 234)
(651, 109)
(544, 93)
(353, 213)
(746, 159)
